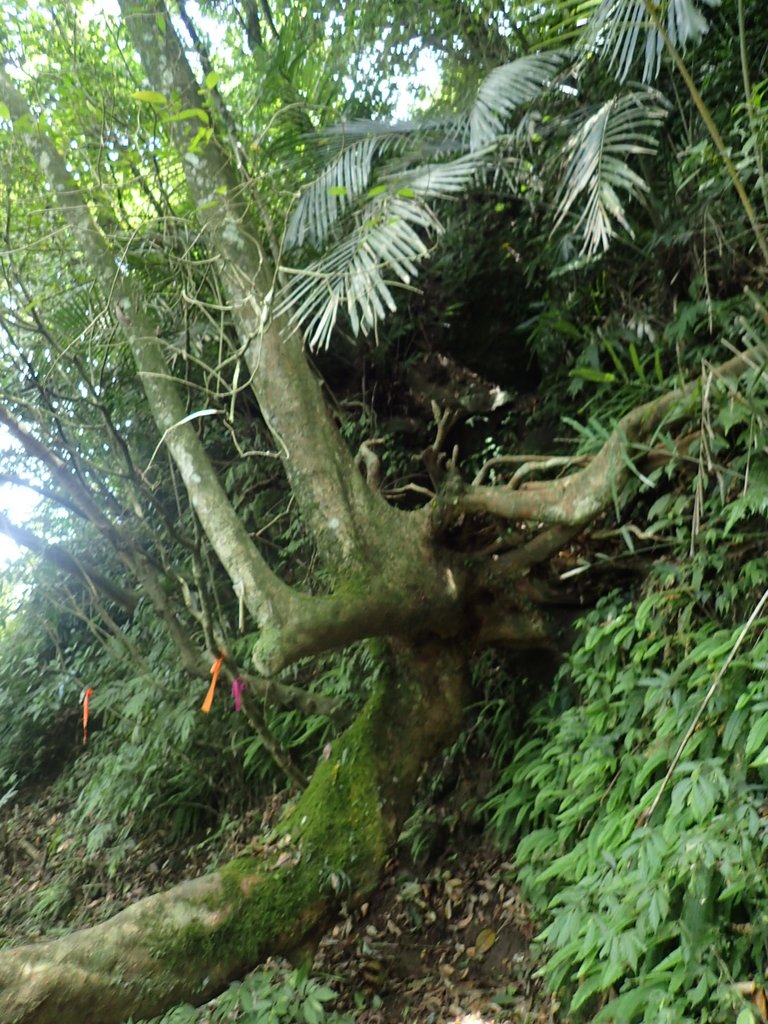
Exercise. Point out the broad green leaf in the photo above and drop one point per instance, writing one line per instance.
(746, 1016)
(155, 99)
(756, 737)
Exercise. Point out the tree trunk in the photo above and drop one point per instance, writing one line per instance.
(186, 944)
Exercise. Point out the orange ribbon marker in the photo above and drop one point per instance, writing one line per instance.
(86, 701)
(205, 707)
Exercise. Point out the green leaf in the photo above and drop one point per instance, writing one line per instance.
(626, 1006)
(185, 115)
(756, 736)
(200, 140)
(5, 114)
(586, 991)
(746, 1016)
(636, 361)
(212, 79)
(595, 376)
(155, 99)
(313, 1011)
(337, 190)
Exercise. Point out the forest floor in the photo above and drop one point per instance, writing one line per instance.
(451, 944)
(448, 941)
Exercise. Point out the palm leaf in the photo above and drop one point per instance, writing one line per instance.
(596, 168)
(385, 248)
(348, 152)
(330, 195)
(438, 180)
(348, 175)
(616, 27)
(387, 204)
(506, 88)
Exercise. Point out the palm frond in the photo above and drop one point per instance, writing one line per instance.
(438, 180)
(616, 27)
(386, 201)
(596, 166)
(507, 87)
(357, 274)
(348, 152)
(330, 195)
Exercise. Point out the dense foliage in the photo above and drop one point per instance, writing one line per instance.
(641, 798)
(576, 214)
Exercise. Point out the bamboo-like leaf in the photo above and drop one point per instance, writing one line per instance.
(385, 247)
(506, 88)
(596, 168)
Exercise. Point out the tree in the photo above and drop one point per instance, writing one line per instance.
(151, 181)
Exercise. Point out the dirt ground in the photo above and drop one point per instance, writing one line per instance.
(444, 943)
(450, 946)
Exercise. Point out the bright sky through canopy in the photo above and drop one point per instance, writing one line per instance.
(18, 503)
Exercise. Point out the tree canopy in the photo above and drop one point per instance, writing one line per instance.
(335, 398)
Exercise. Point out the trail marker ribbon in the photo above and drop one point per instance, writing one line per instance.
(205, 707)
(86, 703)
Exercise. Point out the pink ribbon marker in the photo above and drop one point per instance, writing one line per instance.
(237, 693)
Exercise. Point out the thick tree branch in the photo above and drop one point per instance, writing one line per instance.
(293, 625)
(577, 499)
(186, 944)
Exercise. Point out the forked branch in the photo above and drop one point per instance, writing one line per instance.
(575, 500)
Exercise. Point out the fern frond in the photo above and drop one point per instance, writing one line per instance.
(596, 168)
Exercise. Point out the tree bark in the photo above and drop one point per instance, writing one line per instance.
(186, 944)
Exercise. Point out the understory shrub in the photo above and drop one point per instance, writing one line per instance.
(638, 800)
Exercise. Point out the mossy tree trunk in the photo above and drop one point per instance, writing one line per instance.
(186, 944)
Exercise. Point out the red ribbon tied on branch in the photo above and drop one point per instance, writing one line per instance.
(86, 703)
(205, 707)
(237, 692)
